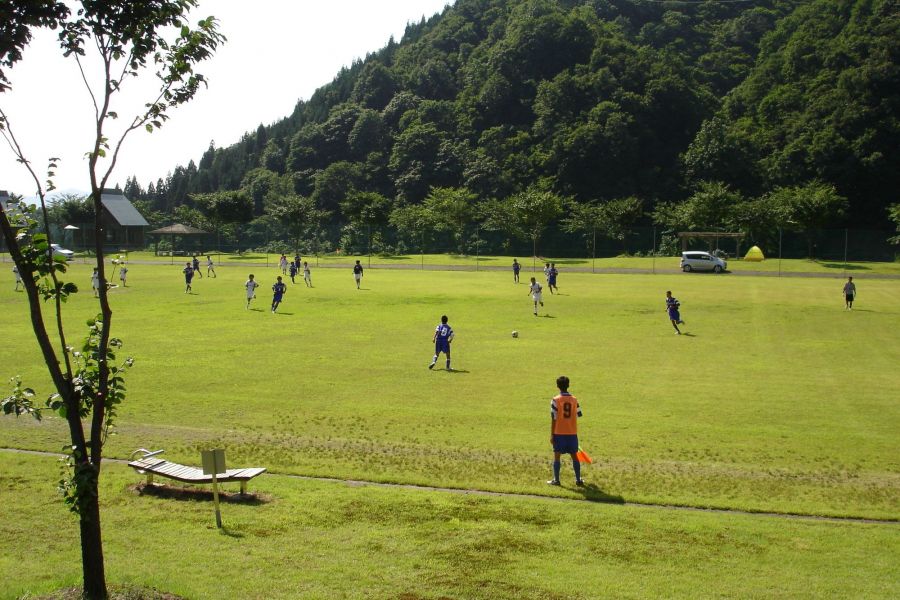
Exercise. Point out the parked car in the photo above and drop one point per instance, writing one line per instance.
(702, 261)
(60, 252)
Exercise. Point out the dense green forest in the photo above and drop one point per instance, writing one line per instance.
(591, 113)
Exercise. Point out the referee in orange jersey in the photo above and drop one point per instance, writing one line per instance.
(564, 414)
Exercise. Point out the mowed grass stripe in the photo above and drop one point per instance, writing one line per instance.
(778, 401)
(316, 539)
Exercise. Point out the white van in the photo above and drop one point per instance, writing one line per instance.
(702, 261)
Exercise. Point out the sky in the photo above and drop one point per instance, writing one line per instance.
(278, 52)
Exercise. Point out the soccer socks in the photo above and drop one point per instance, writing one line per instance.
(556, 467)
(448, 364)
(577, 466)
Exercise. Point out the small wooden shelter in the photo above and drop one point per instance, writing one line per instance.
(176, 229)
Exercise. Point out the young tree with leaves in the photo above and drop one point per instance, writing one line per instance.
(129, 39)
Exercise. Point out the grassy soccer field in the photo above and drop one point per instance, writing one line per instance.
(776, 400)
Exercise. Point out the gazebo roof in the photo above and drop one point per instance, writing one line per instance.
(178, 229)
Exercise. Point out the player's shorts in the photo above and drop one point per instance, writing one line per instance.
(536, 297)
(674, 314)
(849, 297)
(442, 346)
(277, 298)
(565, 444)
(357, 276)
(551, 281)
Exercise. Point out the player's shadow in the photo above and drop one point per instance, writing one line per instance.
(593, 493)
(281, 312)
(547, 317)
(452, 371)
(688, 334)
(256, 309)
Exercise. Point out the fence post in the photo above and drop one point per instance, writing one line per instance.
(369, 249)
(653, 250)
(477, 246)
(779, 251)
(594, 251)
(846, 239)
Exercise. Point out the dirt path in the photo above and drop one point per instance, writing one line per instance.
(474, 492)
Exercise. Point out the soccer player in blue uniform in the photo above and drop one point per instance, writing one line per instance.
(188, 271)
(195, 265)
(551, 278)
(443, 335)
(516, 268)
(672, 306)
(293, 271)
(279, 290)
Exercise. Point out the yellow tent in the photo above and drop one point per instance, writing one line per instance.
(754, 254)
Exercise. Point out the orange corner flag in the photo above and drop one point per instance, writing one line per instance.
(583, 457)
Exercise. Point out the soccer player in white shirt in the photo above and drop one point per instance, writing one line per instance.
(307, 275)
(535, 291)
(18, 278)
(95, 282)
(251, 286)
(210, 267)
(123, 272)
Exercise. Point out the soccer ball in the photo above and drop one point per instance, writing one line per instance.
(515, 334)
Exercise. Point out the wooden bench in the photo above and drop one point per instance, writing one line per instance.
(149, 465)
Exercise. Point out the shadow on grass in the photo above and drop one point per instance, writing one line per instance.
(281, 312)
(228, 533)
(689, 334)
(547, 317)
(452, 371)
(392, 258)
(254, 258)
(845, 266)
(593, 493)
(193, 494)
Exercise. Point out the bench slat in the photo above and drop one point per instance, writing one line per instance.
(187, 474)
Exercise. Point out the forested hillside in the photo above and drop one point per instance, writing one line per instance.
(622, 109)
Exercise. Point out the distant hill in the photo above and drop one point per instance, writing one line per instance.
(596, 99)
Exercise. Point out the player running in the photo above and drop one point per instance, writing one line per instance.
(292, 269)
(357, 273)
(188, 276)
(251, 286)
(564, 414)
(551, 278)
(443, 335)
(307, 274)
(210, 267)
(535, 290)
(672, 306)
(283, 263)
(195, 264)
(278, 292)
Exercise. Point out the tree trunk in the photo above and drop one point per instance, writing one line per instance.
(91, 543)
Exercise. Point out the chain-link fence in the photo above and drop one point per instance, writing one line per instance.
(837, 246)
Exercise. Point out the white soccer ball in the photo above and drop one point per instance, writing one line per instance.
(515, 334)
